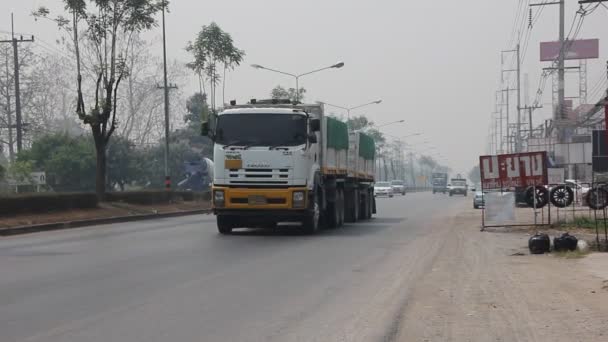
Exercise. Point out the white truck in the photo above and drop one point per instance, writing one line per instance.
(279, 162)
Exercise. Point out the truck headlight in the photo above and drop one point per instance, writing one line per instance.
(218, 198)
(298, 199)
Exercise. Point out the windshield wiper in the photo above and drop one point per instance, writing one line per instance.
(240, 144)
(233, 144)
(286, 144)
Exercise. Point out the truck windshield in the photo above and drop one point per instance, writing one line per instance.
(261, 129)
(459, 183)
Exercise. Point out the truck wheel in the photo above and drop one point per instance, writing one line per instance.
(350, 204)
(224, 224)
(370, 208)
(356, 207)
(333, 212)
(363, 206)
(312, 222)
(339, 208)
(374, 208)
(450, 194)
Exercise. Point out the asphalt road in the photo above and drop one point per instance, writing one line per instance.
(178, 280)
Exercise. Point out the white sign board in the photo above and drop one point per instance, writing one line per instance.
(38, 178)
(573, 153)
(556, 175)
(499, 208)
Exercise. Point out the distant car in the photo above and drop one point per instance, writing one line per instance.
(398, 187)
(478, 200)
(472, 187)
(458, 186)
(383, 189)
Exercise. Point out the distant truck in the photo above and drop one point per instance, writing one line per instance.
(458, 186)
(281, 162)
(440, 182)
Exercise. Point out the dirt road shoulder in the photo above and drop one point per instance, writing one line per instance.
(481, 288)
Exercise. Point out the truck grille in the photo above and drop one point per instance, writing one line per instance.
(259, 176)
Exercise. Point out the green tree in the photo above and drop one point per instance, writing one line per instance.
(213, 47)
(363, 124)
(198, 110)
(123, 163)
(69, 162)
(281, 93)
(105, 27)
(152, 166)
(20, 170)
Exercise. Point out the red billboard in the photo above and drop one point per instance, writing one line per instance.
(505, 171)
(577, 49)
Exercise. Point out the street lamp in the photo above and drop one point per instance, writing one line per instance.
(348, 109)
(297, 77)
(410, 135)
(390, 123)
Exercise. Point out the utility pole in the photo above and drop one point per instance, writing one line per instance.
(507, 90)
(15, 43)
(166, 89)
(517, 70)
(508, 140)
(530, 126)
(559, 114)
(560, 62)
(9, 121)
(412, 175)
(518, 139)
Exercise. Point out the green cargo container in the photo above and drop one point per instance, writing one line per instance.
(367, 147)
(337, 134)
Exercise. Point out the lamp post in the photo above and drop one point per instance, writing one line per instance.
(390, 123)
(297, 76)
(348, 109)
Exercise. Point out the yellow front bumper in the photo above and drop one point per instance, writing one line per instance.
(246, 198)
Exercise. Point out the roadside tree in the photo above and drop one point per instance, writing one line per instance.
(105, 27)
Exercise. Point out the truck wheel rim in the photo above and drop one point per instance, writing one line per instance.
(316, 214)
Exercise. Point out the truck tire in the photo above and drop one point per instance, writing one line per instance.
(341, 207)
(363, 206)
(356, 206)
(333, 211)
(450, 194)
(312, 222)
(225, 224)
(370, 207)
(374, 208)
(351, 205)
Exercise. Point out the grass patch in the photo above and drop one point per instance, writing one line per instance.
(575, 254)
(583, 222)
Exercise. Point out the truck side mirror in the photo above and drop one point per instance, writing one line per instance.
(315, 125)
(312, 138)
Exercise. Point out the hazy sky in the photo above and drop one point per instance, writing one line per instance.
(434, 64)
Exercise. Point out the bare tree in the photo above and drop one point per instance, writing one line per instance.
(142, 105)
